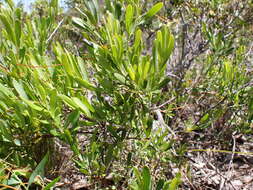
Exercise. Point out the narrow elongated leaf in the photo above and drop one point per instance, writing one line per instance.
(10, 3)
(163, 83)
(87, 104)
(52, 183)
(19, 88)
(228, 70)
(108, 156)
(68, 100)
(120, 77)
(5, 90)
(67, 64)
(160, 184)
(81, 105)
(39, 170)
(137, 174)
(53, 101)
(8, 28)
(171, 44)
(82, 70)
(84, 83)
(33, 105)
(131, 72)
(91, 11)
(76, 103)
(146, 178)
(155, 9)
(175, 182)
(166, 185)
(145, 70)
(81, 24)
(129, 18)
(18, 27)
(72, 118)
(138, 38)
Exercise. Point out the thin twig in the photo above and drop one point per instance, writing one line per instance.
(55, 30)
(221, 151)
(230, 168)
(163, 104)
(173, 75)
(7, 187)
(221, 175)
(162, 122)
(209, 109)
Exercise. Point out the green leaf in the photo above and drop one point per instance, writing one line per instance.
(67, 100)
(228, 71)
(165, 146)
(109, 155)
(92, 11)
(137, 41)
(84, 83)
(120, 78)
(68, 136)
(52, 183)
(170, 45)
(162, 49)
(137, 174)
(204, 118)
(175, 182)
(18, 28)
(76, 103)
(53, 101)
(5, 90)
(81, 24)
(39, 170)
(10, 3)
(71, 141)
(78, 22)
(32, 105)
(72, 118)
(81, 105)
(163, 83)
(9, 29)
(166, 185)
(146, 178)
(67, 64)
(155, 9)
(160, 184)
(87, 104)
(19, 88)
(129, 18)
(131, 72)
